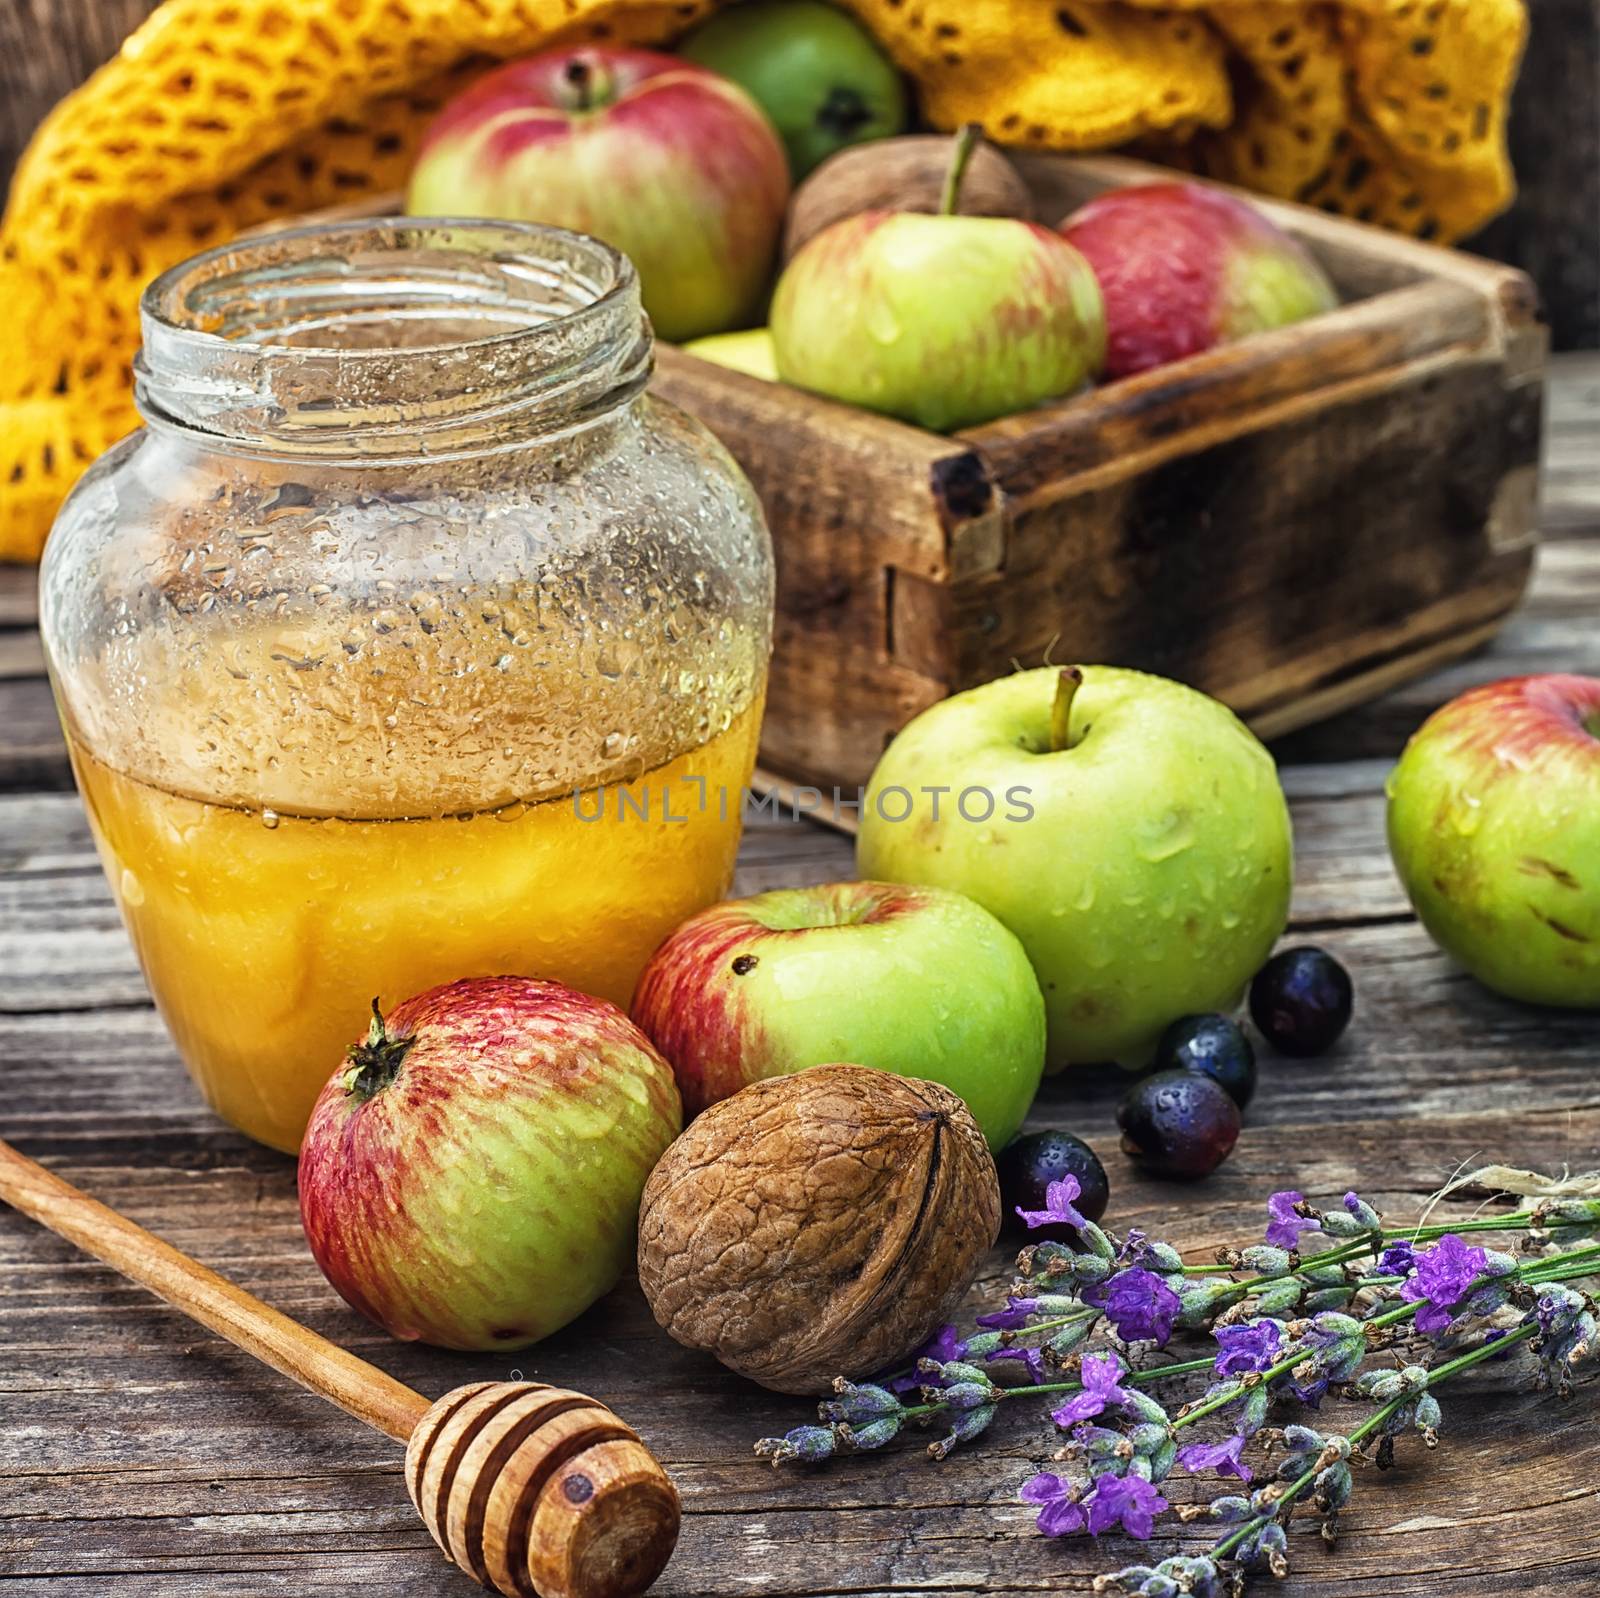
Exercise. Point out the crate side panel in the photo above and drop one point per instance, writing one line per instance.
(831, 711)
(1296, 553)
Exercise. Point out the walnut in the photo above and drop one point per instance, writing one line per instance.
(818, 1225)
(904, 174)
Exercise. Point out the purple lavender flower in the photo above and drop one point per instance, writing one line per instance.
(1130, 1500)
(1284, 1224)
(1060, 1513)
(808, 1444)
(1013, 1317)
(945, 1345)
(1312, 1392)
(1100, 1374)
(1033, 1358)
(1557, 1309)
(1224, 1458)
(1339, 1345)
(1248, 1348)
(1058, 1208)
(1139, 1304)
(1398, 1259)
(1443, 1275)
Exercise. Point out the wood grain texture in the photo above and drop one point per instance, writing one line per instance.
(194, 1290)
(140, 1460)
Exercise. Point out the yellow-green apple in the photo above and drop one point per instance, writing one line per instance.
(1494, 825)
(1183, 267)
(816, 72)
(921, 982)
(471, 1175)
(942, 320)
(671, 164)
(1129, 830)
(749, 352)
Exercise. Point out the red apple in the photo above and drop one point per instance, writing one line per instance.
(1494, 825)
(670, 163)
(1183, 267)
(471, 1176)
(918, 981)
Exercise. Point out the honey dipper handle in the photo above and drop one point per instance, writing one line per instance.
(287, 1346)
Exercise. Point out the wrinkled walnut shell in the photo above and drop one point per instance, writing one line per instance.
(904, 174)
(818, 1225)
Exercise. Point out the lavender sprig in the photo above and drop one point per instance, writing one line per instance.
(1292, 1318)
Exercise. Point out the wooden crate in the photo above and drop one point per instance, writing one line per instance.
(1293, 523)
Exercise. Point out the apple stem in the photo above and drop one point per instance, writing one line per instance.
(1068, 683)
(375, 1061)
(967, 140)
(581, 85)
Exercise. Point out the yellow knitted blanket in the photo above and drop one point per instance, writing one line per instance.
(220, 114)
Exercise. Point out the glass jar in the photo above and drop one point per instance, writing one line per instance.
(410, 639)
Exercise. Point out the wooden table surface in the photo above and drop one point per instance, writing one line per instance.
(138, 1455)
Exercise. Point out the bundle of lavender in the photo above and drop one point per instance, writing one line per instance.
(1333, 1300)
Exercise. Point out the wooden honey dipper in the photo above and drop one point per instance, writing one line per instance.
(535, 1491)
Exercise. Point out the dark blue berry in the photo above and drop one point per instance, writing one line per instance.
(1301, 1001)
(1178, 1123)
(1215, 1046)
(1029, 1164)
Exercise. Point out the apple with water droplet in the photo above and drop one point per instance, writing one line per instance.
(1131, 831)
(471, 1175)
(942, 320)
(917, 981)
(670, 163)
(1494, 826)
(1183, 267)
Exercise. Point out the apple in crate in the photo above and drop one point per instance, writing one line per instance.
(671, 164)
(921, 982)
(1494, 825)
(1183, 267)
(1129, 830)
(471, 1175)
(943, 320)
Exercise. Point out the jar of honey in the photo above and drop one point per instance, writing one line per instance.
(410, 639)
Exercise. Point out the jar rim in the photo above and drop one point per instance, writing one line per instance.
(159, 291)
(294, 337)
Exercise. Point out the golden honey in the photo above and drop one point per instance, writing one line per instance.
(265, 936)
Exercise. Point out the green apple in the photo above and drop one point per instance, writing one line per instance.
(920, 982)
(749, 352)
(1494, 825)
(1129, 830)
(943, 320)
(817, 73)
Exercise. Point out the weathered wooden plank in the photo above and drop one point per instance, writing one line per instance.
(19, 595)
(32, 754)
(201, 1465)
